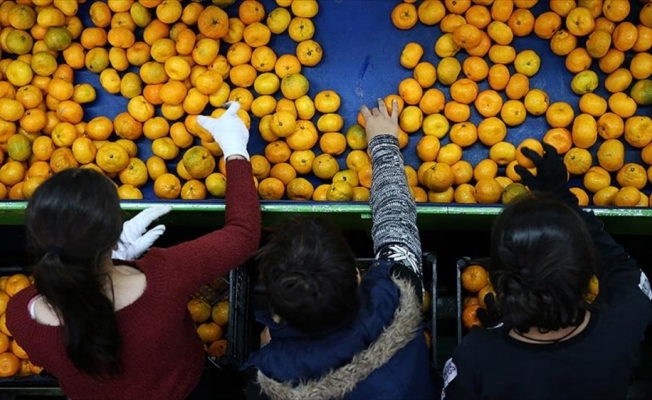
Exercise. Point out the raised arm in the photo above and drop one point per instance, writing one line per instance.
(619, 276)
(394, 229)
(200, 261)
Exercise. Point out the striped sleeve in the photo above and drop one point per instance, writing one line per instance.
(394, 212)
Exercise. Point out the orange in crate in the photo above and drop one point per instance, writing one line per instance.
(470, 316)
(220, 313)
(474, 278)
(9, 365)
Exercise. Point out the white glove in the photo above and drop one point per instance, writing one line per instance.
(135, 239)
(228, 131)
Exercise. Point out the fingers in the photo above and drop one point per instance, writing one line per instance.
(394, 115)
(150, 237)
(204, 122)
(532, 155)
(549, 149)
(233, 107)
(366, 114)
(524, 173)
(382, 107)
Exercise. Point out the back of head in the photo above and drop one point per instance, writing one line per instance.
(310, 275)
(542, 259)
(73, 221)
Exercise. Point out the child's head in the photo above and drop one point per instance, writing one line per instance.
(310, 275)
(542, 259)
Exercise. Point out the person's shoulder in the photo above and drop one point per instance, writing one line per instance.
(481, 339)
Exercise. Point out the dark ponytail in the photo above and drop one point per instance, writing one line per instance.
(73, 221)
(542, 259)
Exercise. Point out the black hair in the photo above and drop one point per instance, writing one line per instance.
(542, 259)
(311, 276)
(73, 221)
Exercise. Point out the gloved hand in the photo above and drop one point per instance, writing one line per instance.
(489, 317)
(135, 239)
(552, 176)
(228, 131)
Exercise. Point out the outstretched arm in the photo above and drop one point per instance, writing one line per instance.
(619, 276)
(394, 229)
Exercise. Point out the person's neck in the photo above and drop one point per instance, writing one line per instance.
(535, 336)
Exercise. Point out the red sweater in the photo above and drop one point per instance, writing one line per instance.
(163, 357)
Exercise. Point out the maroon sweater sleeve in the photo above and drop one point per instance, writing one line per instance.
(189, 265)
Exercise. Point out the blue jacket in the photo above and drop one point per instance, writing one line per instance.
(380, 355)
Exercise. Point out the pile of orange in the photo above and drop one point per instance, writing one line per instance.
(174, 60)
(211, 323)
(475, 281)
(14, 361)
(485, 31)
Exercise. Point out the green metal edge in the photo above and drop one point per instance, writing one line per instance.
(354, 216)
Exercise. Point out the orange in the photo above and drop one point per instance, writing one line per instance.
(578, 161)
(193, 189)
(209, 332)
(559, 138)
(618, 81)
(475, 68)
(431, 12)
(464, 134)
(527, 62)
(5, 342)
(488, 103)
(432, 101)
(622, 105)
(644, 37)
(271, 189)
(500, 33)
(464, 91)
(418, 194)
(12, 172)
(449, 154)
(491, 131)
(522, 22)
(584, 131)
(604, 197)
(582, 196)
(167, 186)
(546, 24)
(410, 119)
(467, 36)
(499, 54)
(624, 36)
(638, 131)
(445, 196)
(596, 178)
(404, 16)
(611, 61)
(251, 11)
(563, 42)
(488, 191)
(474, 278)
(485, 169)
(410, 90)
(333, 143)
(300, 189)
(478, 15)
(611, 155)
(502, 10)
(411, 55)
(306, 9)
(513, 112)
(217, 348)
(616, 10)
(498, 76)
(469, 315)
(483, 293)
(532, 144)
(9, 364)
(213, 22)
(598, 43)
(627, 197)
(465, 194)
(502, 153)
(428, 148)
(579, 21)
(283, 172)
(641, 66)
(517, 86)
(578, 60)
(16, 283)
(592, 104)
(457, 6)
(457, 112)
(277, 152)
(560, 114)
(536, 102)
(327, 101)
(438, 177)
(425, 73)
(220, 313)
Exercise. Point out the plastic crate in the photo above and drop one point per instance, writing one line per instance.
(462, 263)
(235, 288)
(429, 282)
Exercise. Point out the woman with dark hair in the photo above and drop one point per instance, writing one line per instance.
(553, 344)
(333, 334)
(116, 329)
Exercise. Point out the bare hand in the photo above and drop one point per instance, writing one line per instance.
(379, 122)
(265, 337)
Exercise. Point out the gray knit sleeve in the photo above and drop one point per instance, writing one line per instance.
(393, 210)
